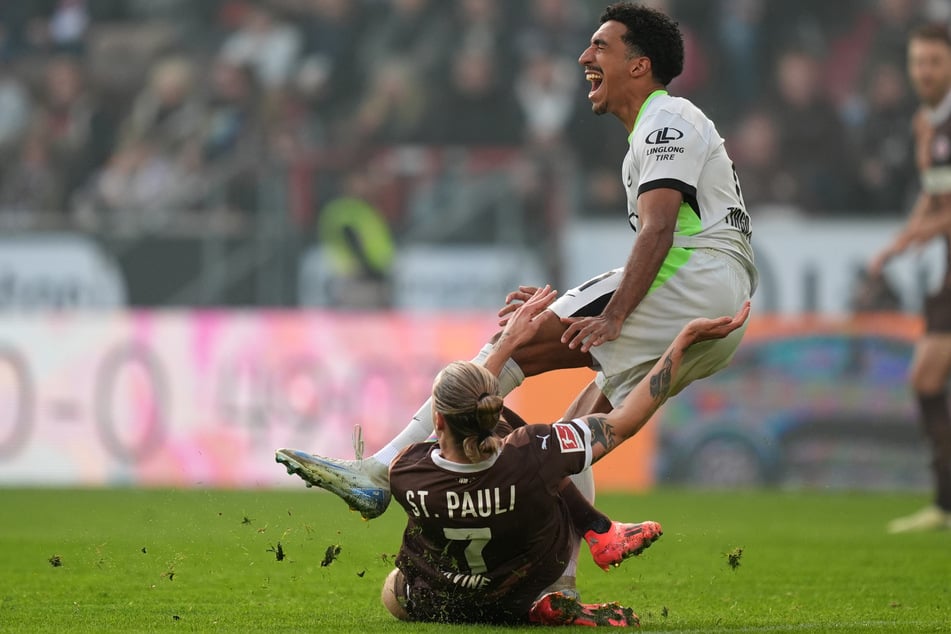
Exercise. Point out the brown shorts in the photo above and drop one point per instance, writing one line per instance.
(938, 312)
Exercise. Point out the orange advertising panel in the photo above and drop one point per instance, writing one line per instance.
(886, 324)
(545, 398)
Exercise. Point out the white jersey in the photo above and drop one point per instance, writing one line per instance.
(675, 146)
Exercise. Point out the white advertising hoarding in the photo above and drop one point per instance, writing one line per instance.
(805, 266)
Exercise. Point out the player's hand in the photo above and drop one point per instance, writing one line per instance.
(900, 244)
(587, 332)
(877, 265)
(522, 323)
(513, 300)
(705, 329)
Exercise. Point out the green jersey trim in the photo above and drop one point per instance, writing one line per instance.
(677, 257)
(688, 221)
(649, 99)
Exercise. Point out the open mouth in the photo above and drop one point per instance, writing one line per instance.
(596, 80)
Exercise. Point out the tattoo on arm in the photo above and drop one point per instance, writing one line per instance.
(602, 432)
(660, 382)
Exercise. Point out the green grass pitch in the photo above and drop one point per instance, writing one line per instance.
(253, 561)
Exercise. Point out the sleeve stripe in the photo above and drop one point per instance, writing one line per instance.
(586, 432)
(689, 192)
(668, 183)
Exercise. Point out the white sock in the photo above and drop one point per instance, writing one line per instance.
(418, 430)
(571, 570)
(421, 427)
(510, 377)
(585, 483)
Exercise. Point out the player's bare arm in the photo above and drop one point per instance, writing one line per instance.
(658, 209)
(920, 228)
(935, 223)
(610, 430)
(902, 240)
(602, 433)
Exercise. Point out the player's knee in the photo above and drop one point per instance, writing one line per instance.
(926, 386)
(545, 352)
(930, 366)
(927, 380)
(390, 598)
(538, 360)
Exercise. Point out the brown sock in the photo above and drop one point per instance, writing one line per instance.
(584, 516)
(936, 419)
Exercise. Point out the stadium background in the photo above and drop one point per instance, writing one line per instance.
(232, 226)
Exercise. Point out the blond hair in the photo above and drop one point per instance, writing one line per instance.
(467, 395)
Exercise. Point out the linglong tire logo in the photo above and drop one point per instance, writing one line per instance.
(151, 426)
(21, 420)
(663, 136)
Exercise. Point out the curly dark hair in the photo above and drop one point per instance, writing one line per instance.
(652, 34)
(932, 32)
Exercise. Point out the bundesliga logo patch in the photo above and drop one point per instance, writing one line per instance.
(568, 438)
(941, 148)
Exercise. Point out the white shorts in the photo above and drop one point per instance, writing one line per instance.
(711, 284)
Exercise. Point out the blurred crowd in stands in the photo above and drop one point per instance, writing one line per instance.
(180, 115)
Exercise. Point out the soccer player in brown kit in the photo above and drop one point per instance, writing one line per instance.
(487, 530)
(929, 67)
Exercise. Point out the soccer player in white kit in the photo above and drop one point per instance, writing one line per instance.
(691, 257)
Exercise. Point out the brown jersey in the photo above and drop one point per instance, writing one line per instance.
(483, 540)
(933, 136)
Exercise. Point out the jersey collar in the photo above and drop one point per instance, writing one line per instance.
(640, 112)
(941, 112)
(458, 467)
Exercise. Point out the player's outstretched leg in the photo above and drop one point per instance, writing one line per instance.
(362, 484)
(556, 608)
(621, 541)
